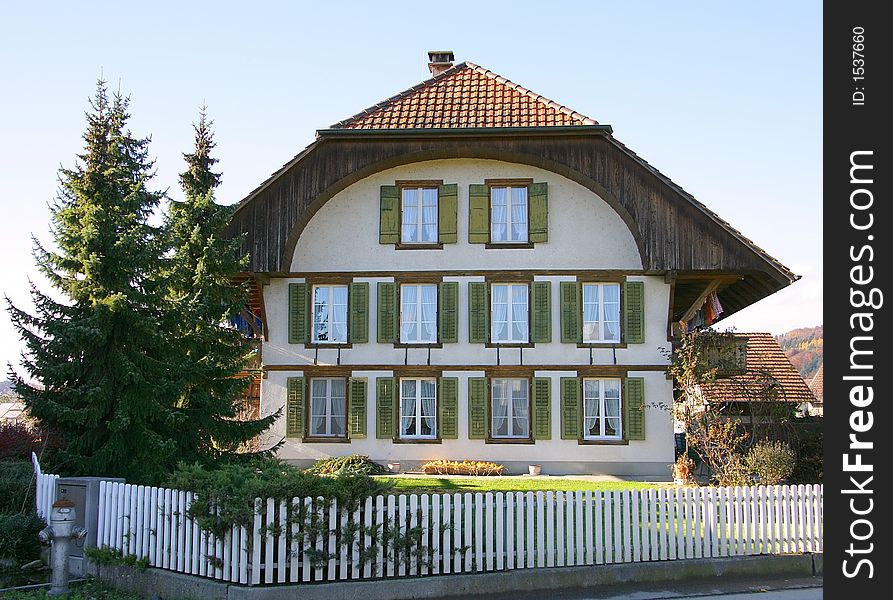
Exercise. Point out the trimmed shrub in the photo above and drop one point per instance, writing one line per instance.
(16, 486)
(18, 441)
(231, 489)
(732, 472)
(809, 448)
(465, 467)
(355, 463)
(771, 462)
(18, 536)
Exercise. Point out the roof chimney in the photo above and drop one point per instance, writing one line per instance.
(440, 61)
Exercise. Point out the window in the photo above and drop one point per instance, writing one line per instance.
(330, 314)
(508, 313)
(418, 408)
(419, 209)
(601, 409)
(601, 312)
(418, 314)
(511, 408)
(327, 408)
(508, 214)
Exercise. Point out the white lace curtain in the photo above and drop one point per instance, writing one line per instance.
(408, 407)
(519, 214)
(429, 215)
(429, 312)
(500, 312)
(428, 407)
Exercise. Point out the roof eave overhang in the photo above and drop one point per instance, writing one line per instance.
(459, 132)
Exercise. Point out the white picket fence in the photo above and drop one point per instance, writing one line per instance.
(44, 489)
(460, 533)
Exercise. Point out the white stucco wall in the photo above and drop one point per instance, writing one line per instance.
(584, 234)
(650, 457)
(584, 231)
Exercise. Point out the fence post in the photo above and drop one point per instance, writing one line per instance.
(364, 540)
(341, 544)
(560, 544)
(497, 527)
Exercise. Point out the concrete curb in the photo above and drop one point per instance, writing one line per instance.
(165, 584)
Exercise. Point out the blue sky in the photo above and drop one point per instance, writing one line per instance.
(724, 98)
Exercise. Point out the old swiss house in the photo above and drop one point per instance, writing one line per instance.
(469, 270)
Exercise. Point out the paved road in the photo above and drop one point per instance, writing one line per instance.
(713, 589)
(802, 594)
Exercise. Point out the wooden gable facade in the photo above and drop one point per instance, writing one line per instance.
(696, 250)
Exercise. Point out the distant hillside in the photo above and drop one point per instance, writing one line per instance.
(805, 349)
(5, 387)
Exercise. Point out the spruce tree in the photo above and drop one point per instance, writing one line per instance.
(97, 360)
(203, 294)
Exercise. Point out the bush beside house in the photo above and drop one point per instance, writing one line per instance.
(19, 524)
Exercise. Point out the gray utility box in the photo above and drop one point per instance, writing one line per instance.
(84, 492)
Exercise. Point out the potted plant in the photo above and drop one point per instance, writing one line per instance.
(682, 470)
(394, 467)
(534, 469)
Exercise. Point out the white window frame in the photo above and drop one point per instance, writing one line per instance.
(330, 314)
(599, 328)
(418, 307)
(327, 415)
(509, 228)
(510, 313)
(420, 221)
(511, 408)
(419, 416)
(602, 404)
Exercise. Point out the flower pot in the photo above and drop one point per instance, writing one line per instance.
(394, 467)
(534, 469)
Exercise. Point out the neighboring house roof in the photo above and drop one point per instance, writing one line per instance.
(817, 384)
(11, 409)
(466, 95)
(767, 366)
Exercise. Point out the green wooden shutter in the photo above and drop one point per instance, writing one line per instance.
(478, 403)
(478, 312)
(389, 218)
(634, 407)
(478, 214)
(448, 315)
(542, 312)
(447, 213)
(359, 312)
(571, 328)
(387, 312)
(298, 312)
(449, 408)
(538, 197)
(571, 408)
(634, 312)
(356, 425)
(384, 407)
(294, 407)
(542, 408)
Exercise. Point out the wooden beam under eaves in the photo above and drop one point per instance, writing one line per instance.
(690, 312)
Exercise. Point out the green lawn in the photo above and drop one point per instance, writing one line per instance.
(435, 483)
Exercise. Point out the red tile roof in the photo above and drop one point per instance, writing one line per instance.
(464, 96)
(767, 368)
(817, 384)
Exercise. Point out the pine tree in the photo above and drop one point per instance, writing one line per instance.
(202, 296)
(97, 359)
